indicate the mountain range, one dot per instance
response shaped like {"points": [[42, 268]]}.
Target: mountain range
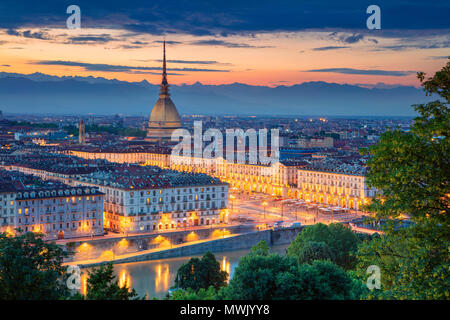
{"points": [[41, 93]]}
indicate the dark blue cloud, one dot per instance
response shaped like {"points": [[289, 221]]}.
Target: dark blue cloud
{"points": [[346, 38], [227, 44], [168, 42], [364, 72], [426, 44], [330, 48], [28, 34], [223, 18], [103, 38], [439, 57], [196, 62], [117, 68]]}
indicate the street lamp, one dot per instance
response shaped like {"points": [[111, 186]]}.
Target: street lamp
{"points": [[264, 203], [232, 197]]}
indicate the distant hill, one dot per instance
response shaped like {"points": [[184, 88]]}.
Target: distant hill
{"points": [[40, 93]]}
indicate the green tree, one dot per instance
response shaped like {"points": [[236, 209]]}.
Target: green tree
{"points": [[340, 239], [255, 277], [30, 269], [414, 262], [102, 284], [322, 280], [189, 294], [312, 251], [272, 277], [201, 273], [261, 248], [412, 170]]}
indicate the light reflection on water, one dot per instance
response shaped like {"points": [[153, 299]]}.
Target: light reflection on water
{"points": [[154, 278]]}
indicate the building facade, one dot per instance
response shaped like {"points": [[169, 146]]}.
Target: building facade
{"points": [[161, 201], [7, 207], [345, 189], [60, 213]]}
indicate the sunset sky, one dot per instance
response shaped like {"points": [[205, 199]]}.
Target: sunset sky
{"points": [[254, 42]]}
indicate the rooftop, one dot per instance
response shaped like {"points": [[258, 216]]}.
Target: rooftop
{"points": [[146, 177], [352, 166]]}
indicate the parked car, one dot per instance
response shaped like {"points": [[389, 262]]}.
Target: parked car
{"points": [[278, 224]]}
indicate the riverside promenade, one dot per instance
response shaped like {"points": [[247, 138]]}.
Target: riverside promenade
{"points": [[226, 243]]}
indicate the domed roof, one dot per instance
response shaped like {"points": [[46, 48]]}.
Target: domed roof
{"points": [[164, 116], [164, 113]]}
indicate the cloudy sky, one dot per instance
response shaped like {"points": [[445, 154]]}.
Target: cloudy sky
{"points": [[216, 42]]}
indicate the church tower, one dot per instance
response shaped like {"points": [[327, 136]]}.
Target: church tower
{"points": [[164, 117], [81, 133]]}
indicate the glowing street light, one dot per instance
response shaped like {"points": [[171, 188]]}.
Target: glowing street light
{"points": [[232, 197], [264, 203]]}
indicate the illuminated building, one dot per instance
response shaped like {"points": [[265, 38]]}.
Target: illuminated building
{"points": [[164, 117], [340, 186], [60, 213], [276, 179], [287, 179], [144, 198], [148, 156], [7, 207], [54, 209]]}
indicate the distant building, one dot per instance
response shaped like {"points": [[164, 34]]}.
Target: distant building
{"points": [[81, 133], [164, 117], [316, 142]]}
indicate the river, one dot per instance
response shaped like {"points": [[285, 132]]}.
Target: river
{"points": [[154, 278]]}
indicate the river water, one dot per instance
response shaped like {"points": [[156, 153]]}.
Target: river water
{"points": [[154, 278]]}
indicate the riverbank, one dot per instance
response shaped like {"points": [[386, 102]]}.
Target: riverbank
{"points": [[226, 243]]}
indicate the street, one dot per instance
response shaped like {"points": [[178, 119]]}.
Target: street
{"points": [[262, 208]]}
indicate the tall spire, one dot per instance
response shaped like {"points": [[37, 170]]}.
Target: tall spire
{"points": [[164, 83]]}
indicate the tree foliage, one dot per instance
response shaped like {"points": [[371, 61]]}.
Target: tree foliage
{"points": [[340, 239], [201, 273], [412, 170], [414, 262], [102, 284], [275, 277], [30, 269], [255, 277], [313, 251], [261, 248], [189, 294]]}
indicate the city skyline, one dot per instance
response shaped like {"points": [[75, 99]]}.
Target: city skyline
{"points": [[239, 151]]}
